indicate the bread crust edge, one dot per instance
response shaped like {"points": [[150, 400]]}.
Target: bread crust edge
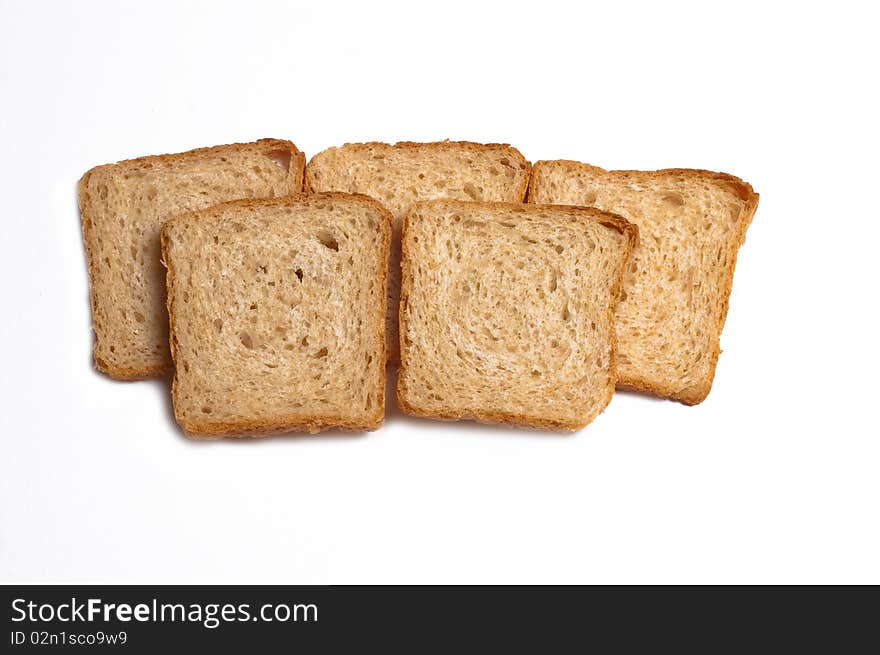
{"points": [[438, 145], [606, 219], [697, 393], [306, 423], [296, 177]]}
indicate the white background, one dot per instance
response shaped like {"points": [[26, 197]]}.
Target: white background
{"points": [[775, 478]]}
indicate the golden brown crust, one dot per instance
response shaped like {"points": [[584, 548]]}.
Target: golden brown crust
{"points": [[525, 166], [296, 174], [744, 191], [297, 161], [498, 418], [129, 374], [313, 423], [606, 219]]}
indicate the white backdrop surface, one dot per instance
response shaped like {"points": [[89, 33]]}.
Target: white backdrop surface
{"points": [[774, 478]]}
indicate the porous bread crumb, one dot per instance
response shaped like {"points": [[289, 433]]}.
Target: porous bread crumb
{"points": [[675, 294], [507, 312], [123, 206], [399, 175], [277, 314]]}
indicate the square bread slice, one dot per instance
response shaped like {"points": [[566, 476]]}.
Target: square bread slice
{"points": [[675, 294], [401, 174], [277, 312], [507, 312], [123, 207]]}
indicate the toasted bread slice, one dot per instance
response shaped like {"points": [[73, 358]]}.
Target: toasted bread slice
{"points": [[401, 174], [123, 207], [507, 312], [675, 295], [277, 312]]}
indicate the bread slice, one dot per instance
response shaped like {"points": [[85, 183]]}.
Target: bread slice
{"points": [[401, 174], [123, 207], [675, 295], [277, 312], [507, 312]]}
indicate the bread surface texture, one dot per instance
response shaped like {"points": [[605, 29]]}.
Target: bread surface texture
{"points": [[277, 312], [123, 207], [399, 175], [676, 290], [506, 312]]}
